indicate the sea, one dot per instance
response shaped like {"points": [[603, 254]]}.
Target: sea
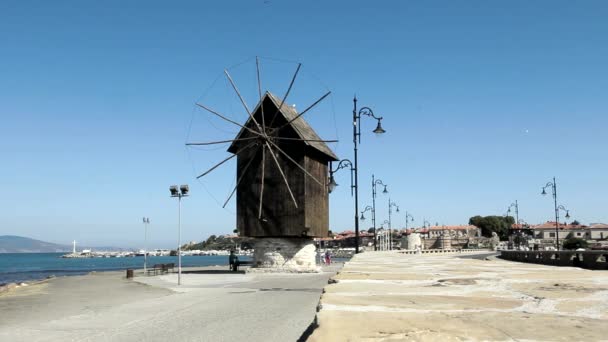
{"points": [[24, 267]]}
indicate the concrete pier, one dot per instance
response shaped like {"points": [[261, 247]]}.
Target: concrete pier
{"points": [[386, 296]]}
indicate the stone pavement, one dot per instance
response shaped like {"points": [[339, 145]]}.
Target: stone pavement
{"points": [[388, 296]]}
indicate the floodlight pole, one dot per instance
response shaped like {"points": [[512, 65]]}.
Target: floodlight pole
{"points": [[146, 221], [179, 193]]}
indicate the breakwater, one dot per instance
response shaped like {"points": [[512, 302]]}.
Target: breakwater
{"points": [[592, 260]]}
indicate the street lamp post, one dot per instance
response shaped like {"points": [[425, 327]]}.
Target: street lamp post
{"points": [[561, 207], [408, 218], [180, 192], [553, 186], [390, 230], [146, 223], [344, 163], [365, 111], [366, 209], [376, 182], [384, 239], [516, 206]]}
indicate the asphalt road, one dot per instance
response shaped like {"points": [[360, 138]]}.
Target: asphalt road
{"points": [[209, 306]]}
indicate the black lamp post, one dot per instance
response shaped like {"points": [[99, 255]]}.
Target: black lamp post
{"points": [[384, 241], [365, 111], [516, 206], [408, 218], [390, 229], [344, 163], [553, 186], [376, 182], [367, 208]]}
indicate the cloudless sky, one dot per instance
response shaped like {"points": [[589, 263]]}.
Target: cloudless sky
{"points": [[483, 103]]}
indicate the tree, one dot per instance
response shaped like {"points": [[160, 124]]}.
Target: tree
{"points": [[574, 243], [498, 224], [575, 223]]}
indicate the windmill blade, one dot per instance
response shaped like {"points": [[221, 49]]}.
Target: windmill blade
{"points": [[306, 110], [262, 185], [293, 79], [282, 174], [311, 140], [296, 163], [257, 67], [218, 142], [241, 98], [225, 160], [239, 181], [225, 118]]}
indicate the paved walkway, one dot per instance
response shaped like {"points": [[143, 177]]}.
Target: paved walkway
{"points": [[387, 296]]}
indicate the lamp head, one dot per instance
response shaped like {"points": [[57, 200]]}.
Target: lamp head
{"points": [[173, 190], [385, 191], [397, 209], [362, 217], [332, 183], [567, 214], [544, 192], [379, 130]]}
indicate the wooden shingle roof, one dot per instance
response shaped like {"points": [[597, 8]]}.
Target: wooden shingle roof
{"points": [[299, 125]]}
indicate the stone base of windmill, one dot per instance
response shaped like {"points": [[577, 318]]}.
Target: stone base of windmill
{"points": [[284, 255]]}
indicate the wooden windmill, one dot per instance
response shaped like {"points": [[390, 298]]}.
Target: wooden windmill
{"points": [[282, 169]]}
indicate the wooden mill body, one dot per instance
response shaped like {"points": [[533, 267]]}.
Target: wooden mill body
{"points": [[280, 216]]}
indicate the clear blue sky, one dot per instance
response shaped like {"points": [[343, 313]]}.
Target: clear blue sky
{"points": [[484, 102]]}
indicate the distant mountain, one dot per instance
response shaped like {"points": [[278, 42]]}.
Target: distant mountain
{"points": [[20, 244]]}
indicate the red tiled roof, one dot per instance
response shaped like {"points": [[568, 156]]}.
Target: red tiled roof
{"points": [[551, 224], [598, 226], [461, 227]]}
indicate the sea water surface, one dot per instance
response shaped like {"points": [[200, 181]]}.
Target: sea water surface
{"points": [[20, 267]]}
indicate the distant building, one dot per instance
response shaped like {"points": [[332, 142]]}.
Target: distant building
{"points": [[346, 239], [543, 235], [546, 231], [442, 237], [598, 231]]}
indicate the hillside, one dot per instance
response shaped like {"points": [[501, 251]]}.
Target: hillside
{"points": [[20, 244]]}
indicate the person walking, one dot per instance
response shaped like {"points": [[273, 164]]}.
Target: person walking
{"points": [[233, 259]]}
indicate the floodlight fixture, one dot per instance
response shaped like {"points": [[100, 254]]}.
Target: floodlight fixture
{"points": [[184, 189]]}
